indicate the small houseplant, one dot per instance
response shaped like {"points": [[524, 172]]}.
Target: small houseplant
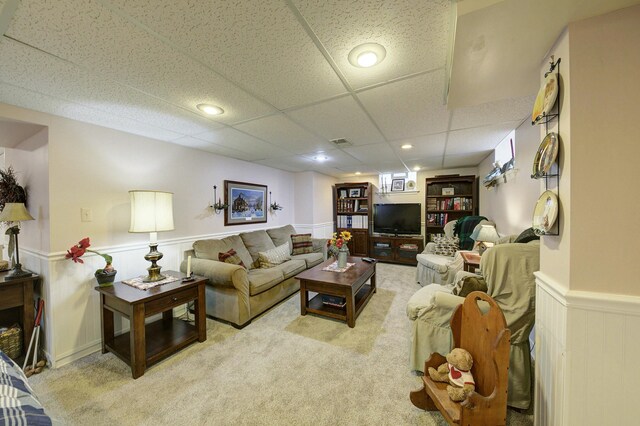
{"points": [[105, 276]]}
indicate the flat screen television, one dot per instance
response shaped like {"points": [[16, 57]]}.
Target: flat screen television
{"points": [[397, 218]]}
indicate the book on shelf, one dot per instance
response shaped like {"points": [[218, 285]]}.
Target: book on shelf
{"points": [[336, 301]]}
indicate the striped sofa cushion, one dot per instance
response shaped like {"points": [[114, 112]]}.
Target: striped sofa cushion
{"points": [[273, 257], [231, 257], [301, 244]]}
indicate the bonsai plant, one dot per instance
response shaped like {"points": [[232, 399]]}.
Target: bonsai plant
{"points": [[105, 276]]}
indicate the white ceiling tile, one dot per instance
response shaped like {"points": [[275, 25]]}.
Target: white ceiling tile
{"points": [[415, 34], [464, 160], [54, 77], [338, 118], [478, 139], [192, 142], [293, 163], [24, 98], [372, 153], [492, 112], [389, 166], [423, 147], [410, 107], [88, 34], [234, 139], [259, 44], [335, 158], [284, 133], [427, 163]]}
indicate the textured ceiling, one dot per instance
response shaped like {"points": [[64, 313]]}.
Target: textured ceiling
{"points": [[278, 68]]}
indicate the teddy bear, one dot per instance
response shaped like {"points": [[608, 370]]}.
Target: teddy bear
{"points": [[457, 372]]}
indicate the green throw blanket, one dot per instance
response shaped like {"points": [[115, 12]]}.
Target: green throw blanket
{"points": [[464, 228]]}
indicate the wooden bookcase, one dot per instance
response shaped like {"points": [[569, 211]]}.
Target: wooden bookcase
{"points": [[448, 198], [353, 212]]}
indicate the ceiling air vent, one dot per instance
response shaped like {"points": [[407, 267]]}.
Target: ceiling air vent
{"points": [[341, 143]]}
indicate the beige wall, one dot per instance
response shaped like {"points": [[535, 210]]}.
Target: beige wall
{"points": [[510, 205], [605, 130]]}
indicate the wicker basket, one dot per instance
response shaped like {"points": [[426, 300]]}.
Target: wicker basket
{"points": [[11, 341]]}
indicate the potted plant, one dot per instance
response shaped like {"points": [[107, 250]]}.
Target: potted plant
{"points": [[105, 276]]}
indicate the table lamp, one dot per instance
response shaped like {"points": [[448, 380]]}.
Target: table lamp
{"points": [[152, 211], [485, 236], [15, 212]]}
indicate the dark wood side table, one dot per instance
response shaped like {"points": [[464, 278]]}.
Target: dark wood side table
{"points": [[146, 344], [16, 303]]}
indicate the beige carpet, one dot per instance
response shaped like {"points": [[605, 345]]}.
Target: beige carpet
{"points": [[283, 369]]}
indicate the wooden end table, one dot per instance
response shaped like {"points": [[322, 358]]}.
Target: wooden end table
{"points": [[17, 295], [147, 344], [471, 260], [351, 284]]}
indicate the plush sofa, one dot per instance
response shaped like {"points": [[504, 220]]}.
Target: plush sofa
{"points": [[237, 294]]}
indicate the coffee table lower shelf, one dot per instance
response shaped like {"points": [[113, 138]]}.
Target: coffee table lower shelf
{"points": [[362, 297], [162, 338]]}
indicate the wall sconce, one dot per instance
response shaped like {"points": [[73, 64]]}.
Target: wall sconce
{"points": [[219, 205], [274, 207]]}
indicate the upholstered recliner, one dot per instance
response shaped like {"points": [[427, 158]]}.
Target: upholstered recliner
{"points": [[508, 271], [438, 269]]}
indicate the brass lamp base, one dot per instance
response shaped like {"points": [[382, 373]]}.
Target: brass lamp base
{"points": [[154, 270], [17, 272]]}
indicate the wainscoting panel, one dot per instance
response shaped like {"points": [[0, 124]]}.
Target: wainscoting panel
{"points": [[587, 347]]}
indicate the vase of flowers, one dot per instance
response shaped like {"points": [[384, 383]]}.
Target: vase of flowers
{"points": [[105, 276], [337, 246]]}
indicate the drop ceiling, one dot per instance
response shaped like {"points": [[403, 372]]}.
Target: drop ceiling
{"points": [[279, 70]]}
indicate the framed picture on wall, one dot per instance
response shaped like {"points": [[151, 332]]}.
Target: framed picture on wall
{"points": [[397, 185], [247, 203]]}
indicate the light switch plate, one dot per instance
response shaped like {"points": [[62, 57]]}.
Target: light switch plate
{"points": [[86, 215]]}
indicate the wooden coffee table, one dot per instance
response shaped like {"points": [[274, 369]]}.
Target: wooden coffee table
{"points": [[351, 284]]}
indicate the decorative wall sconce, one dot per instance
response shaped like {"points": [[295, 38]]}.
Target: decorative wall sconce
{"points": [[274, 207], [219, 205]]}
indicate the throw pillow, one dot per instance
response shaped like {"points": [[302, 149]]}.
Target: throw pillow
{"points": [[526, 236], [446, 246], [231, 257], [301, 244], [469, 284], [273, 257]]}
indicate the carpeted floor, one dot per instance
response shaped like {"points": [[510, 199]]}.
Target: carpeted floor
{"points": [[283, 369]]}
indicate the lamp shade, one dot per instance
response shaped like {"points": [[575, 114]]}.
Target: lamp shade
{"points": [[151, 211], [485, 233], [14, 212]]}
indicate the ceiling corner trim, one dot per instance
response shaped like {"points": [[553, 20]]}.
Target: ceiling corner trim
{"points": [[6, 14]]}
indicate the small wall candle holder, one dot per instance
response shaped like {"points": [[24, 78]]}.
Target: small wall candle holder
{"points": [[219, 205], [274, 207]]}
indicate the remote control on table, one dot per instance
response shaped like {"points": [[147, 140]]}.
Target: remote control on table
{"points": [[368, 259]]}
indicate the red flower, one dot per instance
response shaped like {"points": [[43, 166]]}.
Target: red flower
{"points": [[75, 252], [84, 243]]}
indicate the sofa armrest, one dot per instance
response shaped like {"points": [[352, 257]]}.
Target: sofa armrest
{"points": [[430, 248], [451, 302], [220, 274], [320, 246]]}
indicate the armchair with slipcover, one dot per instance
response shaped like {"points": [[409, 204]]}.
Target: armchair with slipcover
{"points": [[508, 271], [435, 268]]}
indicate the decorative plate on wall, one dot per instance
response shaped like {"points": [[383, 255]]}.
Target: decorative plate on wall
{"points": [[546, 98], [411, 185], [545, 213], [546, 155]]}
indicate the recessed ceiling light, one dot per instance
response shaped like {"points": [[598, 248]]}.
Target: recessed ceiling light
{"points": [[416, 168], [358, 173], [210, 109], [367, 55], [407, 146], [321, 158]]}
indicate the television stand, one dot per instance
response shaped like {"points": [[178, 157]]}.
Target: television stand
{"points": [[396, 249]]}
